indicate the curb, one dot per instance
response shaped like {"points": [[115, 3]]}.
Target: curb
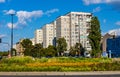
{"points": [[61, 73]]}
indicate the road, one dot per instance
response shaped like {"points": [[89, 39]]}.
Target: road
{"points": [[63, 76]]}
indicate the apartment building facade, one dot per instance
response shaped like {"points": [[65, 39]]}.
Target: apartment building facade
{"points": [[49, 34], [75, 28], [38, 36], [63, 29]]}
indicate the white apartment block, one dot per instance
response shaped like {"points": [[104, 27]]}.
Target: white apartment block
{"points": [[49, 34], [74, 27], [63, 29], [38, 36], [54, 33]]}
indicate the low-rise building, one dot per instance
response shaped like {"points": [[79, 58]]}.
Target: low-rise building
{"points": [[113, 46], [19, 48], [104, 41]]}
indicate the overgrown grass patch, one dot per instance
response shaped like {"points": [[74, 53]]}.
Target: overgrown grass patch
{"points": [[59, 64]]}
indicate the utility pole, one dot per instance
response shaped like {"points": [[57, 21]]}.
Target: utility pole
{"points": [[11, 53]]}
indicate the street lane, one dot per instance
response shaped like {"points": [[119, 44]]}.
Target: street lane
{"points": [[118, 75]]}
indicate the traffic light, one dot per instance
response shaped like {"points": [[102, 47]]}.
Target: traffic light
{"points": [[0, 40]]}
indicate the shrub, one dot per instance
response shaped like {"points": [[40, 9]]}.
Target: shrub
{"points": [[17, 60], [59, 64]]}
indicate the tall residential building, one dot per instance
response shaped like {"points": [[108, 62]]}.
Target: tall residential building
{"points": [[54, 33], [63, 29], [75, 28], [49, 34], [38, 36]]}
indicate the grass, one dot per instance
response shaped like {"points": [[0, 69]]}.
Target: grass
{"points": [[59, 64]]}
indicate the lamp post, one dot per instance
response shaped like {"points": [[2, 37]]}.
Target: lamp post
{"points": [[11, 53]]}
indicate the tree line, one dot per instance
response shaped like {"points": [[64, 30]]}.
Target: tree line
{"points": [[37, 50]]}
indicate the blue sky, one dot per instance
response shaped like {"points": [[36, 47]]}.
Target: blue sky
{"points": [[33, 14]]}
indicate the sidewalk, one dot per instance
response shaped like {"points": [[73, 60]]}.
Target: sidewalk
{"points": [[62, 73]]}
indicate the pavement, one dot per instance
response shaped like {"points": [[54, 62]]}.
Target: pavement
{"points": [[60, 73]]}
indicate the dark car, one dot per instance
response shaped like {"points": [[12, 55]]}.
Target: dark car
{"points": [[0, 57]]}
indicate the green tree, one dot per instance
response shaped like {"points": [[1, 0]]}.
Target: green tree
{"points": [[95, 37], [77, 50], [51, 51], [27, 45], [5, 53], [61, 45], [42, 52], [36, 50], [72, 51]]}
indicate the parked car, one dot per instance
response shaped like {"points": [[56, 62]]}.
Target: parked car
{"points": [[0, 57], [87, 54]]}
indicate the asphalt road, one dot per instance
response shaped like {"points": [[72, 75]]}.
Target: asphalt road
{"points": [[118, 75]]}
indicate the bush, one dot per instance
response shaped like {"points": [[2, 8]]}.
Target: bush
{"points": [[59, 64], [18, 60]]}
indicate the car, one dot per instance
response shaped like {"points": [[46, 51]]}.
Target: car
{"points": [[87, 55], [0, 57]]}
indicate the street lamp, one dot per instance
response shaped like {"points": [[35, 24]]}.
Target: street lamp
{"points": [[12, 14]]}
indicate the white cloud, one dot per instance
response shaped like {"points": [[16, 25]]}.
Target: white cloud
{"points": [[10, 11], [24, 16], [51, 11], [88, 2], [116, 31], [2, 35], [118, 23], [2, 1], [115, 3], [10, 25], [97, 9]]}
